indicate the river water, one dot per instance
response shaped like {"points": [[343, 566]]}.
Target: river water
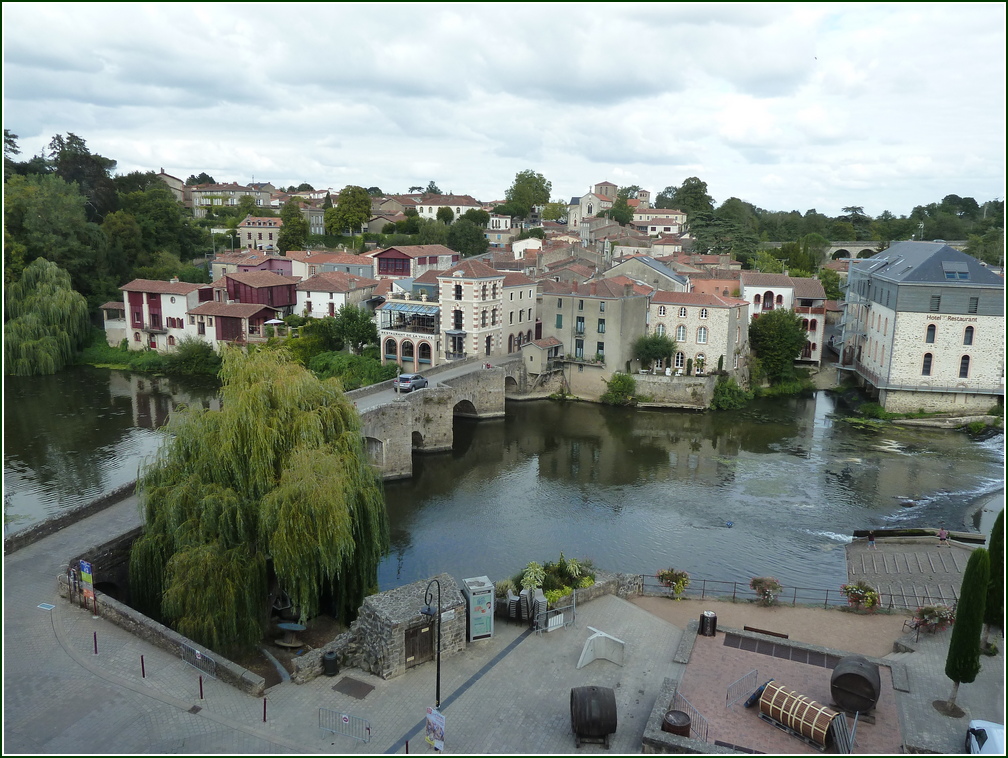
{"points": [[633, 490]]}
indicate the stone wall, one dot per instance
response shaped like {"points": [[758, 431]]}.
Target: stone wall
{"points": [[899, 401], [677, 391], [157, 634]]}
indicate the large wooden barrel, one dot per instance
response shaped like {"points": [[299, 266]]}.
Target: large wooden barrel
{"points": [[855, 684], [805, 716], [676, 722], [593, 713]]}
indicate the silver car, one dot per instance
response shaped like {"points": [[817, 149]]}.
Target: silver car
{"points": [[408, 382]]}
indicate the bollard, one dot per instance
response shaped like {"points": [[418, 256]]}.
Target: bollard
{"points": [[264, 710], [143, 671], [95, 606], [201, 687], [96, 643]]}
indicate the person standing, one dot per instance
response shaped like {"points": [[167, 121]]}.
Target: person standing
{"points": [[871, 540], [943, 537]]}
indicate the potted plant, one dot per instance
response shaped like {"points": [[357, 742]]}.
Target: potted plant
{"points": [[934, 617], [767, 589], [860, 594], [675, 579]]}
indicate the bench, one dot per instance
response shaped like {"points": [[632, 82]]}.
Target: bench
{"points": [[764, 631]]}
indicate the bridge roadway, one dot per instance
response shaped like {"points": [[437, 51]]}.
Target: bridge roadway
{"points": [[395, 425]]}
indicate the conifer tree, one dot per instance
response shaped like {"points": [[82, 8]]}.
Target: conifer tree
{"points": [[963, 662]]}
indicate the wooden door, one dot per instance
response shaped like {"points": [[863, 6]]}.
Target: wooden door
{"points": [[419, 644]]}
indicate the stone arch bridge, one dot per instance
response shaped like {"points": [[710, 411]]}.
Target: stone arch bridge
{"points": [[424, 420]]}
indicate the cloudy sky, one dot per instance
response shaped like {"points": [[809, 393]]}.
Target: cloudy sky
{"points": [[786, 106]]}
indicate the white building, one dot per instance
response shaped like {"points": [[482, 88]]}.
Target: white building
{"points": [[325, 293], [924, 328]]}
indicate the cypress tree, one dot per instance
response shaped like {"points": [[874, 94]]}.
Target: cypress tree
{"points": [[963, 661], [994, 608]]}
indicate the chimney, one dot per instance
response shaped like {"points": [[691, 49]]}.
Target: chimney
{"points": [[594, 288], [174, 280], [627, 289]]}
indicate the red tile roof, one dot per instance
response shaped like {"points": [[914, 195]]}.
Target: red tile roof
{"points": [[262, 278], [230, 310], [160, 287], [334, 281]]}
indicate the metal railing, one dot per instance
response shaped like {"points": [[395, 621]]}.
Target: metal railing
{"points": [[345, 724], [742, 592], [741, 688], [698, 724], [199, 660]]}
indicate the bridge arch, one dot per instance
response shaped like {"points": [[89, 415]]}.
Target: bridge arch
{"points": [[417, 440], [465, 408]]}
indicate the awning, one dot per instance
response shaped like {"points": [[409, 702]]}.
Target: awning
{"points": [[411, 307], [454, 332]]}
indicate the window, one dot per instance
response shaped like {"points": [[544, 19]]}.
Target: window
{"points": [[579, 325], [926, 370], [968, 336], [171, 341], [682, 313], [559, 321], [580, 305], [680, 360], [136, 336], [483, 318], [307, 305], [601, 306], [579, 349], [964, 367], [930, 338], [738, 334], [260, 235], [701, 335], [559, 302], [511, 318], [974, 303], [192, 319], [735, 364], [804, 324], [600, 348], [493, 317], [660, 330], [661, 310], [935, 303], [703, 313], [601, 326], [483, 292], [458, 291], [680, 333]]}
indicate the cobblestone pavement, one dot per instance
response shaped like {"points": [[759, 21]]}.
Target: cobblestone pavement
{"points": [[508, 694]]}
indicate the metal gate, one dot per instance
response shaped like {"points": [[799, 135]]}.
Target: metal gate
{"points": [[344, 723], [419, 644], [199, 660]]}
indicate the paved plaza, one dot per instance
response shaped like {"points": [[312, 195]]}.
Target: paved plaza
{"points": [[508, 694]]}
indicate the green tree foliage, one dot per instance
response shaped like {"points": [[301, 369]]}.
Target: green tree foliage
{"points": [[690, 197], [432, 189], [304, 187], [717, 235], [620, 390], [555, 211], [10, 148], [777, 337], [620, 212], [355, 327], [728, 395], [202, 178], [74, 163], [466, 238], [272, 492], [165, 224], [651, 348], [352, 371], [628, 193], [479, 217], [536, 231], [294, 232], [431, 232], [831, 283], [192, 357], [963, 661], [136, 181], [994, 606], [445, 214], [351, 212], [528, 190], [45, 321]]}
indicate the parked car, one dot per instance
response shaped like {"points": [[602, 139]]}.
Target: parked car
{"points": [[408, 382], [985, 737]]}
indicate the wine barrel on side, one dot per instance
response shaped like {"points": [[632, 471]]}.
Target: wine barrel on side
{"points": [[593, 713], [855, 684]]}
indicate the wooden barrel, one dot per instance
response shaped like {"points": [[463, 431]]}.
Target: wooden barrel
{"points": [[805, 716], [855, 684], [676, 722], [593, 713]]}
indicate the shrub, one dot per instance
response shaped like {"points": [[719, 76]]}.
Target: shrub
{"points": [[554, 596], [860, 594], [193, 356], [872, 410], [939, 616], [767, 588], [975, 427], [533, 576], [728, 395], [503, 587], [620, 389], [676, 579]]}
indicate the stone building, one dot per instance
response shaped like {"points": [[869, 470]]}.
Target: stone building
{"points": [[924, 329]]}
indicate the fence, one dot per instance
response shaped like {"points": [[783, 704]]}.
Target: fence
{"points": [[741, 688], [698, 724], [345, 724], [556, 618], [741, 591], [199, 660]]}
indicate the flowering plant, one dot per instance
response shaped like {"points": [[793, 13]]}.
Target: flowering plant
{"points": [[936, 616], [767, 588], [676, 579], [860, 593]]}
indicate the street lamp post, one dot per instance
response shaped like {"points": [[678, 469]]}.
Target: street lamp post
{"points": [[428, 610]]}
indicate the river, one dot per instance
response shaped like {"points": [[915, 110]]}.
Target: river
{"points": [[632, 490]]}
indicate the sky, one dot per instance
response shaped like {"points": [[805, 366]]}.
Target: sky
{"points": [[786, 106]]}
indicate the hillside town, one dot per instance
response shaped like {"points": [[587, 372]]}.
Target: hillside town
{"points": [[921, 324]]}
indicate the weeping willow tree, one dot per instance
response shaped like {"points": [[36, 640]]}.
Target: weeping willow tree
{"points": [[273, 491], [45, 321]]}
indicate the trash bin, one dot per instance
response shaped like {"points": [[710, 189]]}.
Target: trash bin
{"points": [[708, 623], [330, 664]]}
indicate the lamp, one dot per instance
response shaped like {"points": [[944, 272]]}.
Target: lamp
{"points": [[429, 610]]}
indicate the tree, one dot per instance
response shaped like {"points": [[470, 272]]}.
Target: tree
{"points": [[355, 327], [466, 238], [691, 198], [375, 191], [620, 212], [294, 232], [479, 217], [72, 161], [620, 389], [419, 188], [831, 283], [528, 190], [432, 232], [555, 211], [10, 148], [273, 492], [327, 203], [432, 189], [994, 605], [351, 212], [202, 178], [777, 337], [628, 193], [649, 349], [45, 321], [445, 214], [963, 661], [136, 181], [304, 187]]}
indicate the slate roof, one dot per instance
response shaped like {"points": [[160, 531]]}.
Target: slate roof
{"points": [[928, 262]]}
